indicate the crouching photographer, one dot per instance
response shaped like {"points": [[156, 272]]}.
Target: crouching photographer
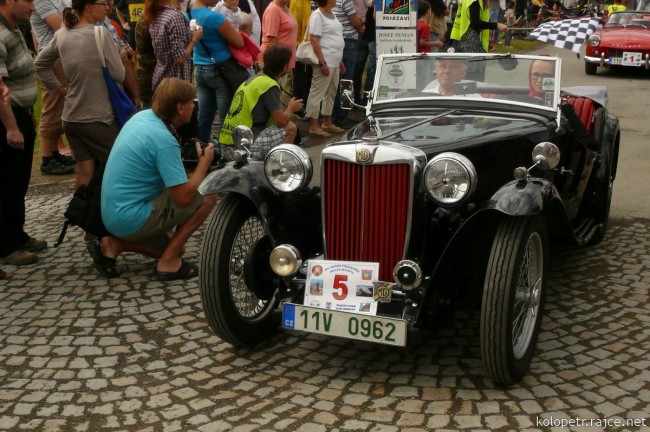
{"points": [[146, 192]]}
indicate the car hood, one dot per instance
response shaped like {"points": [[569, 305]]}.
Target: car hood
{"points": [[616, 37], [452, 131]]}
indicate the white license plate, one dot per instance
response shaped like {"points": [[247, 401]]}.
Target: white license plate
{"points": [[631, 58], [615, 60], [388, 331]]}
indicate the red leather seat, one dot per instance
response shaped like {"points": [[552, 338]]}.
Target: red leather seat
{"points": [[584, 109]]}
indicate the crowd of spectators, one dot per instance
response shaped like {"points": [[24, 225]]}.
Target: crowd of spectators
{"points": [[144, 44]]}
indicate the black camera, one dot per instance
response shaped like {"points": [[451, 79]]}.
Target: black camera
{"points": [[188, 149]]}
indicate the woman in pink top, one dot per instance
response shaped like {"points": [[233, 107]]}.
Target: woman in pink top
{"points": [[279, 27]]}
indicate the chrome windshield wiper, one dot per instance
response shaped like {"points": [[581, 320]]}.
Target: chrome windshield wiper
{"points": [[420, 56]]}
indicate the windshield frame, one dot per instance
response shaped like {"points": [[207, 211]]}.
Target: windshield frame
{"points": [[465, 102]]}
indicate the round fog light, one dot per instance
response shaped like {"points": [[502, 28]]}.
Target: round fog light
{"points": [[285, 260]]}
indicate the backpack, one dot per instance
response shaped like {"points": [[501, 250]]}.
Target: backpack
{"points": [[84, 209]]}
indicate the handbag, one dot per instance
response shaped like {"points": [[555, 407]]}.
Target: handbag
{"points": [[84, 209], [123, 107], [305, 51], [233, 74], [231, 71]]}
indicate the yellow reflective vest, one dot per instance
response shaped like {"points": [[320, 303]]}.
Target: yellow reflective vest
{"points": [[243, 102], [616, 8], [461, 23]]}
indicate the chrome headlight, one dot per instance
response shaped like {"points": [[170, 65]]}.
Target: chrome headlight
{"points": [[593, 41], [288, 168], [450, 179]]}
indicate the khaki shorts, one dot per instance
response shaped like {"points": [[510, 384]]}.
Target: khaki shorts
{"points": [[90, 141], [49, 125], [165, 216]]}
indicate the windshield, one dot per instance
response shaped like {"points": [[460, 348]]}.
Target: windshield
{"points": [[522, 80], [628, 18]]}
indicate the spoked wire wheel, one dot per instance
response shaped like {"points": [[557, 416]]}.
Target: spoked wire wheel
{"points": [[513, 297], [527, 296], [245, 302], [232, 302]]}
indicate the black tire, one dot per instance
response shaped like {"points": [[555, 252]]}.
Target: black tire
{"points": [[603, 202], [233, 311], [514, 288], [591, 68]]}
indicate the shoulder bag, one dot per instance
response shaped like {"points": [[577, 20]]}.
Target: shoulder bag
{"points": [[84, 209], [305, 51], [123, 107], [231, 71]]}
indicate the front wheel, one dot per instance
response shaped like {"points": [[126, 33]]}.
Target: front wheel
{"points": [[591, 68], [513, 298], [237, 302]]}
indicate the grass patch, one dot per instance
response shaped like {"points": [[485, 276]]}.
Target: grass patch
{"points": [[519, 46]]}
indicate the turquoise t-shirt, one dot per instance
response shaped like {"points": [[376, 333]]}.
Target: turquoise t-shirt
{"points": [[144, 161], [210, 21]]}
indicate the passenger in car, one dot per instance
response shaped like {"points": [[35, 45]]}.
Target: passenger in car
{"points": [[538, 78]]}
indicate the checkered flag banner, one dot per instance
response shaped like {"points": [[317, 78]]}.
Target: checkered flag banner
{"points": [[568, 34]]}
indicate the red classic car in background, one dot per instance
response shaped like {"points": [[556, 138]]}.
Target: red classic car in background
{"points": [[624, 40]]}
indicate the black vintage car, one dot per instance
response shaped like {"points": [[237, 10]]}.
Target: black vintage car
{"points": [[452, 187]]}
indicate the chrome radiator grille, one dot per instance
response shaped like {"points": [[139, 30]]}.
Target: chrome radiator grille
{"points": [[366, 212]]}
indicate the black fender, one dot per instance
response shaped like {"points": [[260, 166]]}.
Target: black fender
{"points": [[515, 199], [244, 179], [531, 197], [522, 198], [289, 218]]}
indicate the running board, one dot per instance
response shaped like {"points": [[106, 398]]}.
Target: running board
{"points": [[586, 230]]}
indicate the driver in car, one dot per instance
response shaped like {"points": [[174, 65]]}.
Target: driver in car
{"points": [[449, 72]]}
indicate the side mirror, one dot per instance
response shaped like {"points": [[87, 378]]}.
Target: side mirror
{"points": [[242, 138], [347, 94], [546, 155]]}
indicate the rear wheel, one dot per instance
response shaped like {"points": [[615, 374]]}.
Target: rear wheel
{"points": [[591, 68], [237, 297], [513, 298]]}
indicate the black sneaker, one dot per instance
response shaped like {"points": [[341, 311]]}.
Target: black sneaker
{"points": [[65, 160], [54, 167]]}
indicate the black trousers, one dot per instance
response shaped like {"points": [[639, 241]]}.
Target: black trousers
{"points": [[15, 173], [302, 75]]}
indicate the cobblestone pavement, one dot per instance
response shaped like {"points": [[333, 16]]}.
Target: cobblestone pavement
{"points": [[78, 352]]}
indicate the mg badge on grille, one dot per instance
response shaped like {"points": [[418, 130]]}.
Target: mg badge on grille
{"points": [[383, 291], [364, 155]]}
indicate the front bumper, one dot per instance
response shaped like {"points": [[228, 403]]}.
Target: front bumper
{"points": [[604, 61]]}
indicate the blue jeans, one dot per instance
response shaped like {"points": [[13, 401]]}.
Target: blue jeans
{"points": [[213, 95], [340, 115], [496, 15], [365, 51]]}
